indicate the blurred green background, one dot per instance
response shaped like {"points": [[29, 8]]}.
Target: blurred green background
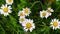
{"points": [[11, 25]]}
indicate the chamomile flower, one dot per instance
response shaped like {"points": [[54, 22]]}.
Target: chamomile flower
{"points": [[55, 23], [22, 20], [9, 2], [44, 14], [5, 9], [49, 10], [26, 11], [28, 25], [21, 14]]}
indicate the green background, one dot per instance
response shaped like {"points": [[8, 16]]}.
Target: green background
{"points": [[11, 25]]}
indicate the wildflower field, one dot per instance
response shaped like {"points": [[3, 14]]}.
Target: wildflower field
{"points": [[29, 16]]}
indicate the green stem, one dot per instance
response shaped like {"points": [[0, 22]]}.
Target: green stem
{"points": [[35, 3], [57, 8]]}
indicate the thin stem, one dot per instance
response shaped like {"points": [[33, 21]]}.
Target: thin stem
{"points": [[26, 32], [57, 8], [35, 3]]}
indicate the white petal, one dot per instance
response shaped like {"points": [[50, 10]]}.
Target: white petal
{"points": [[34, 26], [52, 10], [54, 19], [25, 29], [31, 29], [5, 14], [41, 14], [1, 11], [9, 7], [50, 14], [5, 5], [9, 11], [24, 24], [31, 21], [51, 23], [53, 28]]}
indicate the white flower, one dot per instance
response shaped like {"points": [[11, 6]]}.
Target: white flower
{"points": [[22, 20], [21, 14], [9, 2], [44, 14], [55, 23], [5, 9], [28, 25], [26, 11], [49, 10]]}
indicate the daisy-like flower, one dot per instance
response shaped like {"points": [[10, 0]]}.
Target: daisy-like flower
{"points": [[9, 2], [28, 25], [26, 11], [21, 14], [5, 9], [55, 23], [44, 14], [22, 20], [49, 10]]}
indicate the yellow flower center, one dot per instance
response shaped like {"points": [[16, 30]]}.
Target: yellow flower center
{"points": [[28, 25], [21, 14], [22, 19], [55, 24], [44, 14], [49, 11], [9, 0], [26, 11], [5, 9]]}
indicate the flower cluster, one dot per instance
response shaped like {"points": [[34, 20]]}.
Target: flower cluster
{"points": [[5, 9], [46, 13], [26, 23], [55, 23]]}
